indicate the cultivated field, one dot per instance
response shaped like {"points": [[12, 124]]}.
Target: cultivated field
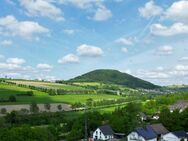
{"points": [[7, 90]]}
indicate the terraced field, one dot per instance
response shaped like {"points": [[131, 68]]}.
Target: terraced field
{"points": [[6, 90], [48, 85]]}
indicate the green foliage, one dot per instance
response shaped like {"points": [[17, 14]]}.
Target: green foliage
{"points": [[114, 77], [34, 108], [59, 107], [26, 134], [174, 120], [12, 98], [3, 111], [126, 119], [47, 106]]}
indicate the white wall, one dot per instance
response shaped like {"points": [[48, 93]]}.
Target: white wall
{"points": [[134, 136], [100, 135], [171, 137]]}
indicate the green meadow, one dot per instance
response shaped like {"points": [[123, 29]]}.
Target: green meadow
{"points": [[6, 90]]}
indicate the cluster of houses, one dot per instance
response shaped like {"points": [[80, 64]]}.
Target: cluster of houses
{"points": [[154, 132]]}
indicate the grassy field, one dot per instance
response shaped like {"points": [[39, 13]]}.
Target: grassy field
{"points": [[41, 97], [48, 85]]}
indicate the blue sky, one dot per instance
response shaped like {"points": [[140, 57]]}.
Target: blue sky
{"points": [[60, 39]]}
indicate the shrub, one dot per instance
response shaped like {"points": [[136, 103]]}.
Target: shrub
{"points": [[12, 98], [3, 111]]}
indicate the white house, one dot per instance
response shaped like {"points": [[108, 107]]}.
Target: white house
{"points": [[152, 132], [176, 136], [142, 134], [104, 132]]}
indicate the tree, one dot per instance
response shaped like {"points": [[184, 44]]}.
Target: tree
{"points": [[12, 98], [47, 106], [89, 102], [59, 107], [3, 111], [34, 108]]}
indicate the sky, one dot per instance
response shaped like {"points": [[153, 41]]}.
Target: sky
{"points": [[61, 39]]}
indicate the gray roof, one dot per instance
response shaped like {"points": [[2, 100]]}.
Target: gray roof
{"points": [[106, 130], [159, 129]]}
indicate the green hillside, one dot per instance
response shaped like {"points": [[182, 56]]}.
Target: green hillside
{"points": [[114, 77]]}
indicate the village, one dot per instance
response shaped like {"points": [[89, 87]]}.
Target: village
{"points": [[149, 132]]}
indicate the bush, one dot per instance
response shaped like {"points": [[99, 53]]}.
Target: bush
{"points": [[12, 98], [59, 107], [3, 111], [47, 106], [34, 108]]}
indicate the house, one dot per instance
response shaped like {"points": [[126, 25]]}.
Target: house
{"points": [[176, 136], [180, 105], [154, 132], [143, 116], [142, 134], [155, 116], [104, 132], [159, 130]]}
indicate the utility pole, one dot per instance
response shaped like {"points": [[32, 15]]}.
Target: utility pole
{"points": [[85, 112]]}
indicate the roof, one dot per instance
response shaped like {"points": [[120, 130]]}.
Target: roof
{"points": [[142, 115], [106, 130], [180, 134], [180, 104], [159, 129], [146, 132]]}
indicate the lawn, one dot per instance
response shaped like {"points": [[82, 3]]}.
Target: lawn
{"points": [[41, 97]]}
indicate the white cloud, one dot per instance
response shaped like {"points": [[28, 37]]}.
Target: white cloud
{"points": [[182, 68], [102, 14], [152, 74], [42, 8], [125, 50], [175, 29], [25, 29], [15, 61], [150, 9], [125, 41], [89, 50], [70, 58], [82, 4], [69, 31], [45, 67], [183, 59], [165, 50], [9, 66], [178, 11], [128, 71], [6, 43]]}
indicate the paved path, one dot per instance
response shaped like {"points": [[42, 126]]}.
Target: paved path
{"points": [[9, 108]]}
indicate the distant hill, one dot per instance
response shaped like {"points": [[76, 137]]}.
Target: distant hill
{"points": [[114, 77]]}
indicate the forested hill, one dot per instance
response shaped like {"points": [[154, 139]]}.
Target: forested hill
{"points": [[114, 77]]}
